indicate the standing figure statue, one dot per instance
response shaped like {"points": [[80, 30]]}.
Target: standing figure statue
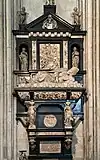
{"points": [[24, 60], [68, 115], [31, 114], [75, 58], [22, 15], [76, 16]]}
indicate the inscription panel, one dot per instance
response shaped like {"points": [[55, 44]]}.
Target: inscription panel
{"points": [[50, 147]]}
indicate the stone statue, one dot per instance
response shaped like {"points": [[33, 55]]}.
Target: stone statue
{"points": [[76, 16], [24, 60], [22, 15], [75, 58], [68, 115], [31, 114], [49, 23], [50, 2]]}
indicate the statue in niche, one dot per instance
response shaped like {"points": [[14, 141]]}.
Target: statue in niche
{"points": [[49, 23], [68, 115], [75, 57], [76, 16], [24, 60], [22, 15], [31, 114], [50, 2]]}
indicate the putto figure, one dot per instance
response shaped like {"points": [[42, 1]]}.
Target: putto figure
{"points": [[76, 16], [24, 60], [75, 58]]}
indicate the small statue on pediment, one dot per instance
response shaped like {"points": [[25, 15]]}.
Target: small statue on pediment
{"points": [[49, 23], [23, 59], [76, 16], [22, 15]]}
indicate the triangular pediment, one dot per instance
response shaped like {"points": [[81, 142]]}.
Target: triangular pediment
{"points": [[61, 24]]}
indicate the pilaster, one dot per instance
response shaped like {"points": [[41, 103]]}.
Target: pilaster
{"points": [[92, 62]]}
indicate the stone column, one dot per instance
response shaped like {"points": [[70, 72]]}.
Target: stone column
{"points": [[8, 128], [92, 63], [1, 80], [98, 74]]}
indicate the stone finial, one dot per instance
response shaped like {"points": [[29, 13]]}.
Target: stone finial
{"points": [[76, 16]]}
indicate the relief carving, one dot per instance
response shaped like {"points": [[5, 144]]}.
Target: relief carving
{"points": [[56, 78], [49, 56], [50, 121], [50, 95], [49, 23]]}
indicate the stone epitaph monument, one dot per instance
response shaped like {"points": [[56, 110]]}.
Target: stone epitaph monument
{"points": [[50, 90]]}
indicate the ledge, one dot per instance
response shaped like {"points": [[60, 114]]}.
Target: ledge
{"points": [[23, 89]]}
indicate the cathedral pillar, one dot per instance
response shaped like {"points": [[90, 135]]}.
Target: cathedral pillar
{"points": [[7, 109], [92, 63], [1, 81]]}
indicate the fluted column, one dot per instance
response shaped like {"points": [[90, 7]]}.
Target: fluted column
{"points": [[7, 110], [91, 23]]}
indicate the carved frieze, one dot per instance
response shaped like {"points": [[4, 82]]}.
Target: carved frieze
{"points": [[49, 95]]}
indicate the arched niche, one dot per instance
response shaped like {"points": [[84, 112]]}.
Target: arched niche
{"points": [[75, 55], [24, 56]]}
